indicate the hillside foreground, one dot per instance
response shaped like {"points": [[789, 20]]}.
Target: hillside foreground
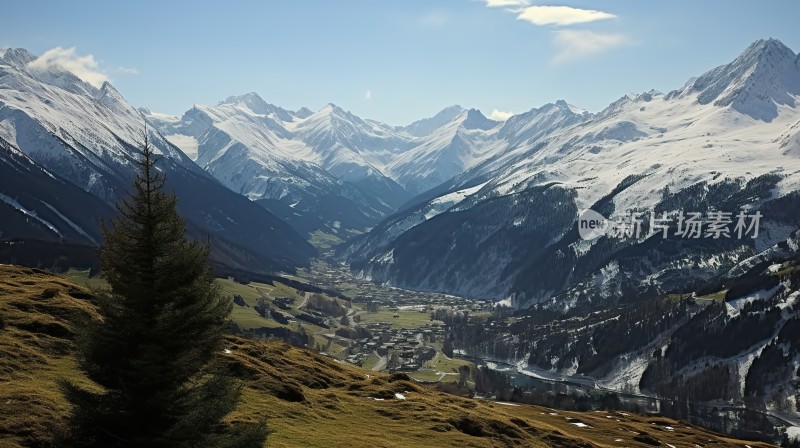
{"points": [[308, 400]]}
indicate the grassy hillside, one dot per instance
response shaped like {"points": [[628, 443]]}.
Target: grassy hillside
{"points": [[308, 400]]}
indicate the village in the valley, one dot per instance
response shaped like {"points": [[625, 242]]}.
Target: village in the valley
{"points": [[400, 330]]}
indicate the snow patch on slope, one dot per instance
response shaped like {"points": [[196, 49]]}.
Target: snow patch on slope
{"points": [[69, 222], [734, 307], [30, 213], [186, 143], [446, 201]]}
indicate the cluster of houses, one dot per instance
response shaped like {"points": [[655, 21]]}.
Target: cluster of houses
{"points": [[405, 349], [400, 349], [339, 278]]}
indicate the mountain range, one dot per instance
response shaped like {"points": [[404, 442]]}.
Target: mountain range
{"points": [[506, 227], [69, 152], [461, 204], [454, 203], [329, 170]]}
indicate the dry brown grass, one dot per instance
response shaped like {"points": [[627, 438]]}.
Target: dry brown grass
{"points": [[308, 400], [38, 315]]}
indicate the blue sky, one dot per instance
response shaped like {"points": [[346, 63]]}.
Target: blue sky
{"points": [[394, 61]]}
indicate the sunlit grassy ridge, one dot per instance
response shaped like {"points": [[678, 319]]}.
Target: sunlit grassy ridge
{"points": [[39, 313], [307, 399]]}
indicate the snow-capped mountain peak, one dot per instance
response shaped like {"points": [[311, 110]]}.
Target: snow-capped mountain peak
{"points": [[257, 105], [110, 97], [18, 57], [330, 125], [763, 77], [331, 112], [538, 121], [426, 126], [474, 119], [763, 49], [562, 104], [252, 100], [29, 67], [303, 112]]}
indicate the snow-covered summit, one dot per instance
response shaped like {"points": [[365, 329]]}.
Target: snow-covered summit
{"points": [[29, 67], [17, 57], [426, 126], [476, 120], [257, 105], [766, 75], [61, 110], [329, 125], [452, 141], [537, 121], [303, 112]]}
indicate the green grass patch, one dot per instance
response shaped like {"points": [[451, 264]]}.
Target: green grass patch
{"points": [[282, 290], [322, 240], [398, 319], [426, 375], [331, 348], [296, 278], [248, 293], [248, 318], [370, 361], [81, 277], [715, 296], [446, 365]]}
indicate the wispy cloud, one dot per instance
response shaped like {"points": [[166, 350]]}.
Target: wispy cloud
{"points": [[368, 95], [500, 115], [507, 3], [577, 44], [126, 70], [84, 67], [561, 15], [571, 44]]}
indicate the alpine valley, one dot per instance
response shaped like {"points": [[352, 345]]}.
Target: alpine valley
{"points": [[463, 205]]}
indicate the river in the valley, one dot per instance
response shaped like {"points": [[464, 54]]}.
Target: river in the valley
{"points": [[545, 388]]}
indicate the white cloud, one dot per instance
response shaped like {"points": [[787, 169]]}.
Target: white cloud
{"points": [[577, 44], [561, 15], [368, 95], [126, 70], [506, 3], [571, 44], [500, 115], [84, 67]]}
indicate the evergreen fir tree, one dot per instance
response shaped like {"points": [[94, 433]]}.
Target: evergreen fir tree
{"points": [[156, 352]]}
